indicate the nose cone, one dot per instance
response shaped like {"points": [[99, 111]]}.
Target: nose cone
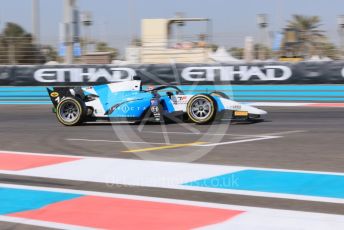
{"points": [[262, 112], [253, 110]]}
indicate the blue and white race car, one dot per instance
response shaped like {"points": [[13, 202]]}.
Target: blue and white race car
{"points": [[127, 101]]}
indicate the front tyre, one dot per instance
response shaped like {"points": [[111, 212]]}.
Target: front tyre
{"points": [[70, 111], [201, 109]]}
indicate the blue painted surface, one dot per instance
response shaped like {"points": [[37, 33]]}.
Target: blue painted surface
{"points": [[167, 103], [267, 87], [25, 102], [212, 87], [133, 109], [248, 93], [137, 101], [24, 94], [19, 200], [21, 89], [308, 184], [220, 106]]}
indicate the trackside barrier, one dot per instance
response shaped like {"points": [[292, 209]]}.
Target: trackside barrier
{"points": [[264, 73], [265, 81]]}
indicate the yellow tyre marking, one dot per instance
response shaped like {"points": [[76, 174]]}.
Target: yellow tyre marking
{"points": [[204, 121], [164, 147]]}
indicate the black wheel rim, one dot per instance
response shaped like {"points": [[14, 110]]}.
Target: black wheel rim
{"points": [[201, 108], [69, 112]]}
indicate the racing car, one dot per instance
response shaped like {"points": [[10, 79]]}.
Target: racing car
{"points": [[128, 101]]}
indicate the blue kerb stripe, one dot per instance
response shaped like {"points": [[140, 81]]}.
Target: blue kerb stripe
{"points": [[19, 200], [23, 93], [25, 103], [265, 87], [14, 88], [308, 184], [216, 87], [304, 93]]}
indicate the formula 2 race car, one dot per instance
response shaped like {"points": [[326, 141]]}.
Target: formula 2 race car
{"points": [[129, 102]]}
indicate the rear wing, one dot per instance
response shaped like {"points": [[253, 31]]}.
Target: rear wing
{"points": [[57, 94]]}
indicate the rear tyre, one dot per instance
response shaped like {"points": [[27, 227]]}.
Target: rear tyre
{"points": [[201, 109], [71, 111]]}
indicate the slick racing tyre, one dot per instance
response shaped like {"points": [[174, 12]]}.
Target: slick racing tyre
{"points": [[71, 111], [201, 109]]}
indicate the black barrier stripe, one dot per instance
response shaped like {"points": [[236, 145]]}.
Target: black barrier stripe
{"points": [[251, 73]]}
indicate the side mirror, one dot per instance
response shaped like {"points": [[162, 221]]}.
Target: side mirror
{"points": [[169, 94], [137, 78]]}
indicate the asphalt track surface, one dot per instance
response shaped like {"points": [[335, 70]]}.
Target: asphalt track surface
{"points": [[306, 139]]}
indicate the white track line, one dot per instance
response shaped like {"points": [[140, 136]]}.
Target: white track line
{"points": [[41, 223], [110, 122], [110, 141], [259, 138], [297, 104], [240, 141], [284, 132], [278, 104], [208, 134]]}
